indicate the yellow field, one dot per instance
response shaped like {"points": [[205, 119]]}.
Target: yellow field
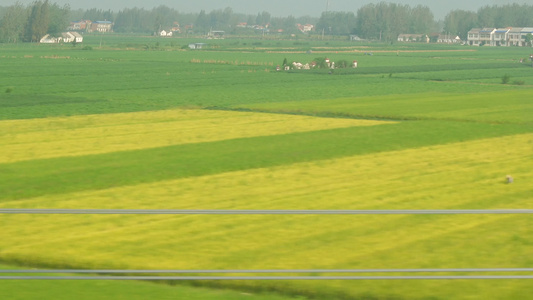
{"points": [[464, 175], [93, 134]]}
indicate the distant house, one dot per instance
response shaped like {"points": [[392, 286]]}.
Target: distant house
{"points": [[474, 37], [515, 37], [216, 34], [499, 36], [83, 25], [165, 33], [69, 37], [448, 39], [197, 46], [101, 26], [66, 37], [422, 38], [355, 38], [305, 28], [47, 39], [485, 36]]}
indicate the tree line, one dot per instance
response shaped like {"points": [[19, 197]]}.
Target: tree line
{"points": [[30, 23], [376, 21], [459, 22]]}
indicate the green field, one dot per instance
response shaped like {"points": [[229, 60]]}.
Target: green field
{"points": [[139, 123]]}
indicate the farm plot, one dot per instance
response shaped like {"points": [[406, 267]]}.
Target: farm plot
{"points": [[459, 175], [94, 134]]}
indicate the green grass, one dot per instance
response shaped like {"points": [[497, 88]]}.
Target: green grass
{"points": [[130, 290], [110, 80], [496, 107]]}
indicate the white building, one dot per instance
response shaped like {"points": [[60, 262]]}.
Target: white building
{"points": [[423, 38], [499, 36], [448, 39], [66, 37], [164, 33]]}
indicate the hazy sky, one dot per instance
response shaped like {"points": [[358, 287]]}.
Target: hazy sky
{"points": [[278, 8]]}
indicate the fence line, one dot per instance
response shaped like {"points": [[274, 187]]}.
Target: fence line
{"points": [[264, 212]]}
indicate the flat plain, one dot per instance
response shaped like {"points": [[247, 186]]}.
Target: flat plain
{"points": [[128, 126]]}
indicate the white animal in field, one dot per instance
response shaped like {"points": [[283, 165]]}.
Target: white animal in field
{"points": [[509, 179]]}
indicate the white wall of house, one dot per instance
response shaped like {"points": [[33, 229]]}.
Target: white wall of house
{"points": [[499, 36]]}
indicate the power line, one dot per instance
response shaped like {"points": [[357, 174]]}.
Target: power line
{"points": [[484, 277], [77, 271], [263, 212]]}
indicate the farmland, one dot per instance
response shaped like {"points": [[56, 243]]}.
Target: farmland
{"points": [[140, 123]]}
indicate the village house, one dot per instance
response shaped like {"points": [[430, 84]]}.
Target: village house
{"points": [[423, 38], [197, 46], [515, 37], [70, 37], [486, 35], [164, 33], [101, 26], [474, 37], [216, 34], [66, 37], [499, 36], [176, 28], [83, 25], [305, 28], [48, 39], [448, 39]]}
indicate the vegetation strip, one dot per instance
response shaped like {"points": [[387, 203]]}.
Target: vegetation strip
{"points": [[268, 212]]}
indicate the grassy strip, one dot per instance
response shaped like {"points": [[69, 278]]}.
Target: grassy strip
{"points": [[112, 290], [497, 107], [60, 175]]}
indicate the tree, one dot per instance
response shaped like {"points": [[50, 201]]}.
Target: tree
{"points": [[202, 22], [336, 23], [38, 21], [59, 19], [385, 21], [94, 14], [459, 22], [13, 23], [263, 18], [529, 39], [421, 19]]}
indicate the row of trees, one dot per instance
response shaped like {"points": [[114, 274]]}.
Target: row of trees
{"points": [[459, 22], [31, 23], [383, 21]]}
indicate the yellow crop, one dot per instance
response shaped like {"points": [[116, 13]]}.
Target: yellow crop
{"points": [[93, 134]]}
